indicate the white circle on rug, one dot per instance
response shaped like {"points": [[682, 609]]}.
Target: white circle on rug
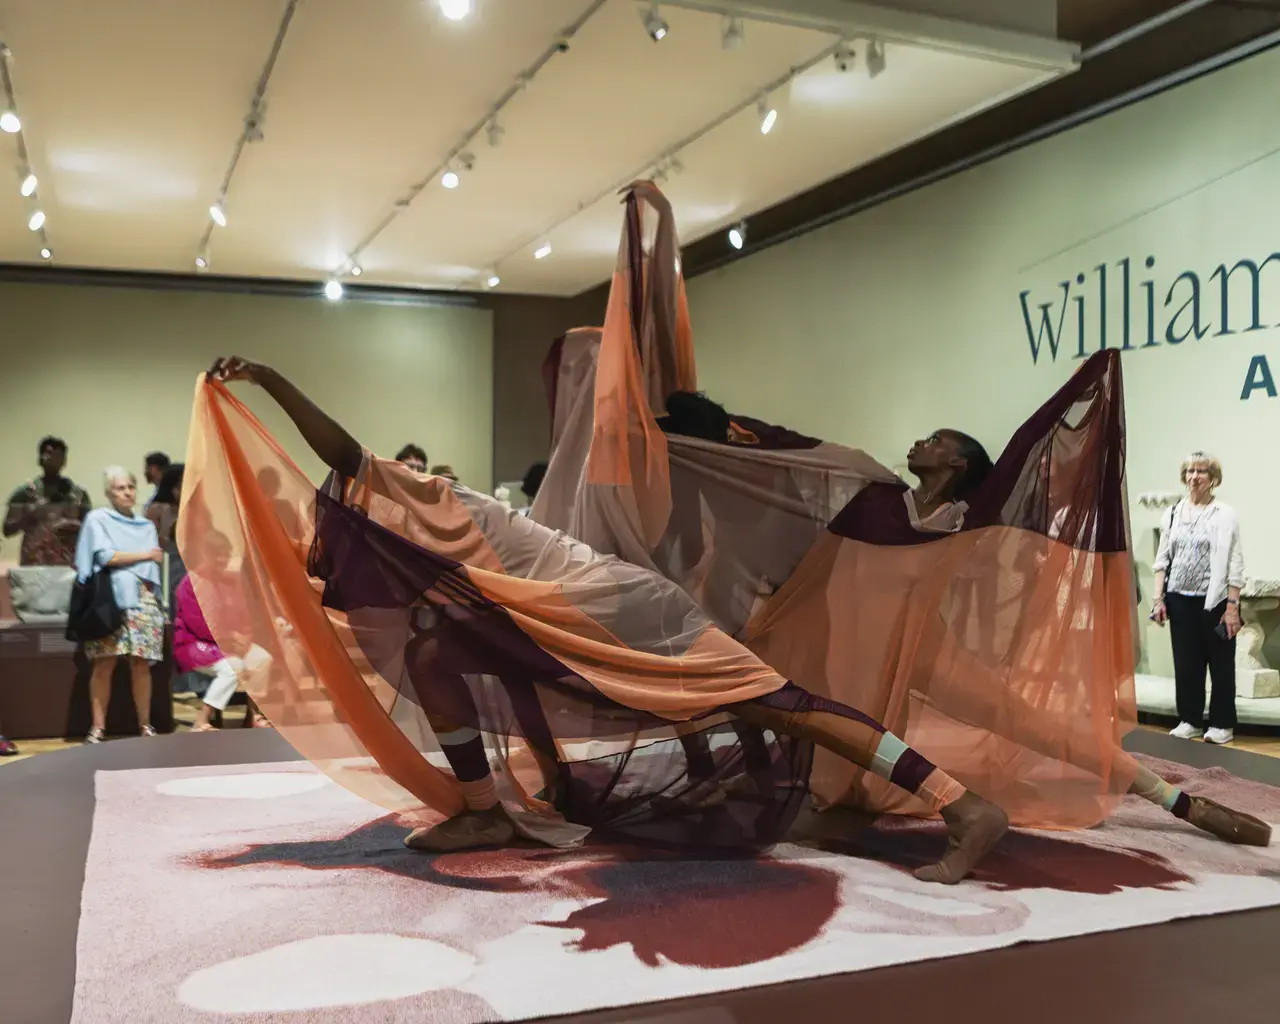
{"points": [[330, 970], [249, 786]]}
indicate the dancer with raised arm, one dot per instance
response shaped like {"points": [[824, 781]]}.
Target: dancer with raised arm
{"points": [[668, 663]]}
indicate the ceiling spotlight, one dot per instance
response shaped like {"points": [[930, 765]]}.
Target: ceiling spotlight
{"points": [[738, 235], [46, 253], [28, 185], [202, 263], [218, 215], [9, 122], [455, 10], [845, 58], [356, 270], [449, 179], [875, 57], [492, 281], [733, 34], [768, 115], [37, 220], [654, 23], [333, 290], [542, 252], [495, 132]]}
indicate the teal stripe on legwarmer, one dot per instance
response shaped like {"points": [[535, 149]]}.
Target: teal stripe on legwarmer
{"points": [[888, 750]]}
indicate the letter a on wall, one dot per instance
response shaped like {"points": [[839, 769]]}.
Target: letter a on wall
{"points": [[1259, 379]]}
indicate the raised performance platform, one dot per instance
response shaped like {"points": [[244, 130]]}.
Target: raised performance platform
{"points": [[1156, 697], [47, 806]]}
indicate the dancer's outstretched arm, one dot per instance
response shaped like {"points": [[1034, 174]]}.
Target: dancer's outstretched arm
{"points": [[339, 450]]}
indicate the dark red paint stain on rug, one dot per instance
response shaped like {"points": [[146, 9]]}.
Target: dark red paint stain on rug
{"points": [[710, 914]]}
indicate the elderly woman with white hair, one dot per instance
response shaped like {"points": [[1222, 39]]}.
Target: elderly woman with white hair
{"points": [[118, 540], [1199, 571]]}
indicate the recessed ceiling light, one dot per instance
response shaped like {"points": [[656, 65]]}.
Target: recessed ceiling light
{"points": [[768, 115], [455, 10], [333, 290], [738, 235], [875, 58], [542, 252], [201, 263], [37, 220], [218, 215], [493, 281], [9, 122], [356, 270], [46, 253], [733, 33], [654, 23], [29, 185], [449, 179]]}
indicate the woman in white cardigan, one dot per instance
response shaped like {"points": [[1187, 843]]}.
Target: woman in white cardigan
{"points": [[1199, 571]]}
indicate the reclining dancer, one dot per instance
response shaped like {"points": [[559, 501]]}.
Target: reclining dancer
{"points": [[1007, 644], [769, 703], [950, 467]]}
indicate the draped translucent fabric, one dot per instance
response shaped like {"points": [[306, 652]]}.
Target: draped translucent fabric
{"points": [[396, 604], [1001, 647]]}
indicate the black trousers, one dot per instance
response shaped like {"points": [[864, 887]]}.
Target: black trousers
{"points": [[1197, 646]]}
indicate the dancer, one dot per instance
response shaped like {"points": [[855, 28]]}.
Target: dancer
{"points": [[986, 615], [738, 685]]}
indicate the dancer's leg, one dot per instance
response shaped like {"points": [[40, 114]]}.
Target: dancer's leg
{"points": [[1203, 813], [975, 824], [1039, 731]]}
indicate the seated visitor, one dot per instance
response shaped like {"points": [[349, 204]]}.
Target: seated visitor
{"points": [[239, 661]]}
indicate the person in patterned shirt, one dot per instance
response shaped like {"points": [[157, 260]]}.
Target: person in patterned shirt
{"points": [[48, 510]]}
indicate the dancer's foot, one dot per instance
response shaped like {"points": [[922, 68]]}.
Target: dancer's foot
{"points": [[466, 831], [975, 826], [1233, 826]]}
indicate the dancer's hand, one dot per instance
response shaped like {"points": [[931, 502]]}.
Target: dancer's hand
{"points": [[650, 193], [232, 368], [1231, 620]]}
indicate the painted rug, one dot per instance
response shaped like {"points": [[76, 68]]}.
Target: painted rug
{"points": [[264, 893]]}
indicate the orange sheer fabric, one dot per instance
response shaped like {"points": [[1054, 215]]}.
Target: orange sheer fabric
{"points": [[1004, 654], [340, 690]]}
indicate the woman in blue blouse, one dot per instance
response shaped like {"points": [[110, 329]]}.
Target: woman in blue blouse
{"points": [[117, 540]]}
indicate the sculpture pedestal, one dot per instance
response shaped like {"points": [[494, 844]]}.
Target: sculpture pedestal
{"points": [[1254, 678]]}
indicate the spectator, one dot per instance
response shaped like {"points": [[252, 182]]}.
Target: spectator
{"points": [[1199, 571], [47, 511], [413, 457], [7, 747], [194, 648], [446, 471], [532, 483], [156, 464], [117, 539], [163, 512]]}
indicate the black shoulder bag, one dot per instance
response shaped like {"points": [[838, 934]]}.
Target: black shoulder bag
{"points": [[93, 613]]}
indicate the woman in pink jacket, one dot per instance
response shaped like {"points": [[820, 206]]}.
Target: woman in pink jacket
{"points": [[195, 650]]}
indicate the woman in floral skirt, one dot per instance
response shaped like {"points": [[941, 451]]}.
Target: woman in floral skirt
{"points": [[119, 541]]}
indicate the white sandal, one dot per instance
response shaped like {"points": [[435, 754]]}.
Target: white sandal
{"points": [[95, 736]]}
